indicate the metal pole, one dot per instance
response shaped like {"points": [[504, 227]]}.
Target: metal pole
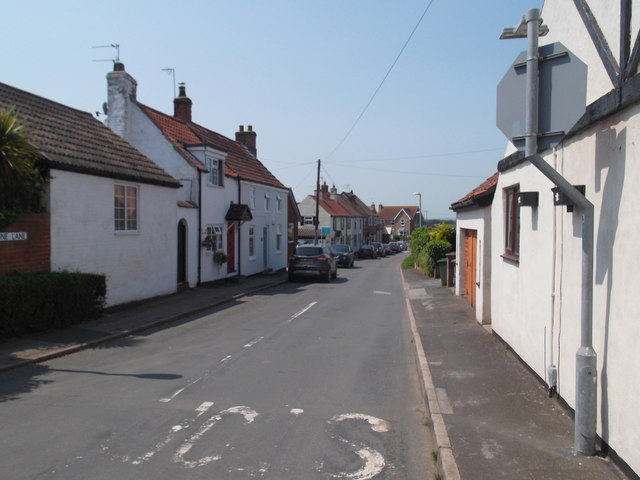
{"points": [[586, 358], [532, 17], [316, 220]]}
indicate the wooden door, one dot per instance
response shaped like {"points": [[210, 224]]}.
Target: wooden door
{"points": [[470, 265]]}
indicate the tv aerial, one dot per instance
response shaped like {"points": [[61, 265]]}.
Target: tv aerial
{"points": [[116, 46]]}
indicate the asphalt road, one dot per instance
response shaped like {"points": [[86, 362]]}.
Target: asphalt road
{"points": [[302, 381]]}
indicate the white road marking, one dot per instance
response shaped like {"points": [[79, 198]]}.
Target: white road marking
{"points": [[301, 312], [179, 391], [254, 342], [373, 460], [296, 411], [249, 415], [380, 292], [200, 410]]}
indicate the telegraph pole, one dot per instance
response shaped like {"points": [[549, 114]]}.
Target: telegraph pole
{"points": [[316, 220]]}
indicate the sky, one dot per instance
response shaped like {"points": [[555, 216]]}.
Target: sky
{"points": [[313, 78]]}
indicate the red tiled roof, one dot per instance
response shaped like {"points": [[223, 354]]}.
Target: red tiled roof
{"points": [[333, 208], [389, 213], [485, 189], [73, 140], [239, 161]]}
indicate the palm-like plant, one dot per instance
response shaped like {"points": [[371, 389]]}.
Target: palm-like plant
{"points": [[21, 181]]}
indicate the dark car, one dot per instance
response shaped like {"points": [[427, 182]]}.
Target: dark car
{"points": [[367, 251], [387, 249], [345, 255], [312, 261], [396, 247], [379, 249]]}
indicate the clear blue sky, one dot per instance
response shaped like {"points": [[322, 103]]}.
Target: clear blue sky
{"points": [[300, 72]]}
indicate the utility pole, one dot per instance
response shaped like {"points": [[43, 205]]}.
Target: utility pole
{"points": [[316, 220]]}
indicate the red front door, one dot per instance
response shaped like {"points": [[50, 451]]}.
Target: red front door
{"points": [[231, 247]]}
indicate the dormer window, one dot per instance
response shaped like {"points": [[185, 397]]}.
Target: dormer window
{"points": [[216, 171]]}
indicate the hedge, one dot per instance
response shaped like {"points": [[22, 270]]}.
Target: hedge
{"points": [[34, 302]]}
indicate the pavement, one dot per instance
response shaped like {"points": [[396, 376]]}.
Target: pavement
{"points": [[490, 416]]}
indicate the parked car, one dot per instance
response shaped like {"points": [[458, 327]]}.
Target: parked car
{"points": [[379, 249], [367, 251], [345, 256], [387, 249], [396, 247], [312, 261]]}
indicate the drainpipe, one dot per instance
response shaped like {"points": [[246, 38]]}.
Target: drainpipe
{"points": [[199, 247], [239, 249], [586, 358]]}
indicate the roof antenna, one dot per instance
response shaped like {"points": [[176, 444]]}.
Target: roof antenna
{"points": [[111, 45], [172, 72]]}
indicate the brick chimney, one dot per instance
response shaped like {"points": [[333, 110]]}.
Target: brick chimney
{"points": [[182, 104], [121, 94], [324, 191], [248, 138]]}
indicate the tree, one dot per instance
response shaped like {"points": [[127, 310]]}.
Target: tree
{"points": [[22, 178]]}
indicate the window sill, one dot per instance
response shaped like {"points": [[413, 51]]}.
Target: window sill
{"points": [[511, 258]]}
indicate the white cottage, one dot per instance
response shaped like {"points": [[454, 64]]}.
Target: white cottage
{"points": [[537, 245], [232, 212], [110, 208], [473, 248]]}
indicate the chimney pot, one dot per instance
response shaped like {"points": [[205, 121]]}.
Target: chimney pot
{"points": [[182, 104], [248, 138]]}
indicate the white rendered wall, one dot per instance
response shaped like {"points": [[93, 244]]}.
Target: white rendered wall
{"points": [[603, 159], [478, 219], [262, 217], [137, 265]]}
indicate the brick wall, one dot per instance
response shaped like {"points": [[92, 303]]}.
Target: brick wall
{"points": [[33, 254]]}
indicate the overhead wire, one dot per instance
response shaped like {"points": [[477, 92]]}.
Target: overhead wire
{"points": [[375, 93]]}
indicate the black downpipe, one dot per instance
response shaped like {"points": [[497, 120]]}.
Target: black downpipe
{"points": [[239, 249], [198, 249]]}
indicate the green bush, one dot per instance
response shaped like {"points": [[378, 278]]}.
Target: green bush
{"points": [[435, 250], [36, 302]]}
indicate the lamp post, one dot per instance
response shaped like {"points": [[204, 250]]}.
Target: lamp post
{"points": [[420, 200]]}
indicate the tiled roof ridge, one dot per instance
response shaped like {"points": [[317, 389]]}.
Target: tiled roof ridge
{"points": [[485, 188], [73, 140]]}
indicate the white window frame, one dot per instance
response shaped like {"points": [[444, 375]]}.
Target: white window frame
{"points": [[126, 217], [252, 242], [216, 234], [216, 172], [267, 201], [278, 202], [307, 220], [252, 198], [278, 238]]}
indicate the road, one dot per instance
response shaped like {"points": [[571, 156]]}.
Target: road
{"points": [[302, 381]]}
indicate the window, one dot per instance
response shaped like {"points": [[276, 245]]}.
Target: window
{"points": [[252, 198], [279, 202], [512, 223], [213, 238], [216, 172], [267, 201], [126, 208], [290, 232], [341, 223], [252, 242], [348, 223], [402, 222], [308, 220], [278, 238]]}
